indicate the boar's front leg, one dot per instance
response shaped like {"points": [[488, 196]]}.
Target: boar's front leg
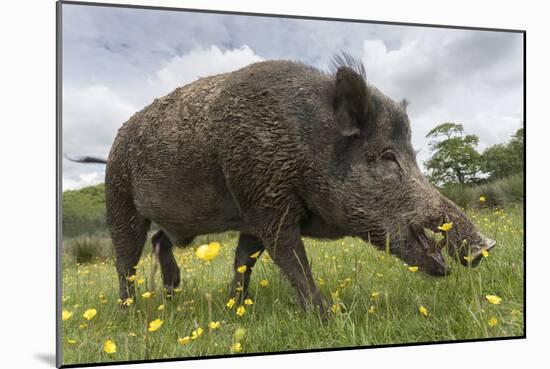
{"points": [[248, 251], [287, 251]]}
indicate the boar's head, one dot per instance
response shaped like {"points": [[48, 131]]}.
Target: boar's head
{"points": [[387, 199]]}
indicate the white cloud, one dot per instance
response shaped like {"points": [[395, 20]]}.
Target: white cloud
{"points": [[93, 114], [83, 180], [392, 71], [201, 62], [485, 97]]}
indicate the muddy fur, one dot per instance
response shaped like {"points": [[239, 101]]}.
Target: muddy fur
{"points": [[276, 150]]}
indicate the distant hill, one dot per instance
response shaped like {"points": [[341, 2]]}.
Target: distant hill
{"points": [[84, 211]]}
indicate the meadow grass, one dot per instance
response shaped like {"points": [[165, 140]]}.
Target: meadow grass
{"points": [[375, 300]]}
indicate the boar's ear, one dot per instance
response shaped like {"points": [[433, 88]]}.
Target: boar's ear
{"points": [[350, 101]]}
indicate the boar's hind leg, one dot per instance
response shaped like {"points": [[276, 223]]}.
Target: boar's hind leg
{"points": [[288, 252], [248, 250], [162, 247], [128, 232]]}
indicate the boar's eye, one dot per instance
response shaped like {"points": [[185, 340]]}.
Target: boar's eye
{"points": [[390, 156]]}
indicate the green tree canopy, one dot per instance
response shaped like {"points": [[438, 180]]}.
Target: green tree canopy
{"points": [[454, 155], [83, 210], [503, 160]]}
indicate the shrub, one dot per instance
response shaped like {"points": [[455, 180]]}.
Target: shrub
{"points": [[85, 249], [499, 193]]}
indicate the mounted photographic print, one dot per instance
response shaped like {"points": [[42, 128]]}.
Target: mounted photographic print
{"points": [[238, 184]]}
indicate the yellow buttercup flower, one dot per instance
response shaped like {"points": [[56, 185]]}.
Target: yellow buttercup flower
{"points": [[140, 281], [184, 341], [485, 253], [154, 325], [493, 299], [89, 314], [127, 302], [161, 307], [242, 269], [445, 227], [482, 199], [264, 283], [423, 310], [335, 308], [248, 302], [196, 333], [146, 295], [208, 252], [374, 295], [231, 302], [109, 347], [82, 326], [372, 309], [255, 255], [413, 269], [66, 315], [214, 325], [236, 347], [241, 310], [492, 322], [131, 278], [240, 333]]}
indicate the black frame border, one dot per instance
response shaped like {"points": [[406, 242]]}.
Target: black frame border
{"points": [[58, 113]]}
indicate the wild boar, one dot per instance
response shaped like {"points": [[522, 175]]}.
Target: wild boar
{"points": [[276, 151]]}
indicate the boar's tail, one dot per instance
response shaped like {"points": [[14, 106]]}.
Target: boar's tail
{"points": [[86, 159]]}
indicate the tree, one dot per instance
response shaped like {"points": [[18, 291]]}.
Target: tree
{"points": [[83, 210], [454, 155], [503, 160]]}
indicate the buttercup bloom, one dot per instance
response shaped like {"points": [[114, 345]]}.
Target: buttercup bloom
{"points": [[423, 310], [241, 310], [196, 333], [154, 325], [214, 325], [242, 269], [239, 334], [236, 347], [146, 295], [493, 299], [231, 302], [208, 252], [109, 347], [184, 341], [89, 314], [66, 315], [445, 227]]}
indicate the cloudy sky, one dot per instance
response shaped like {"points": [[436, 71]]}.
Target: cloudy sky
{"points": [[116, 61]]}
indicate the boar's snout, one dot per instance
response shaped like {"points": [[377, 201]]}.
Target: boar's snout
{"points": [[434, 264]]}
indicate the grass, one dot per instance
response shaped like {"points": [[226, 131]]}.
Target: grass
{"points": [[352, 275]]}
